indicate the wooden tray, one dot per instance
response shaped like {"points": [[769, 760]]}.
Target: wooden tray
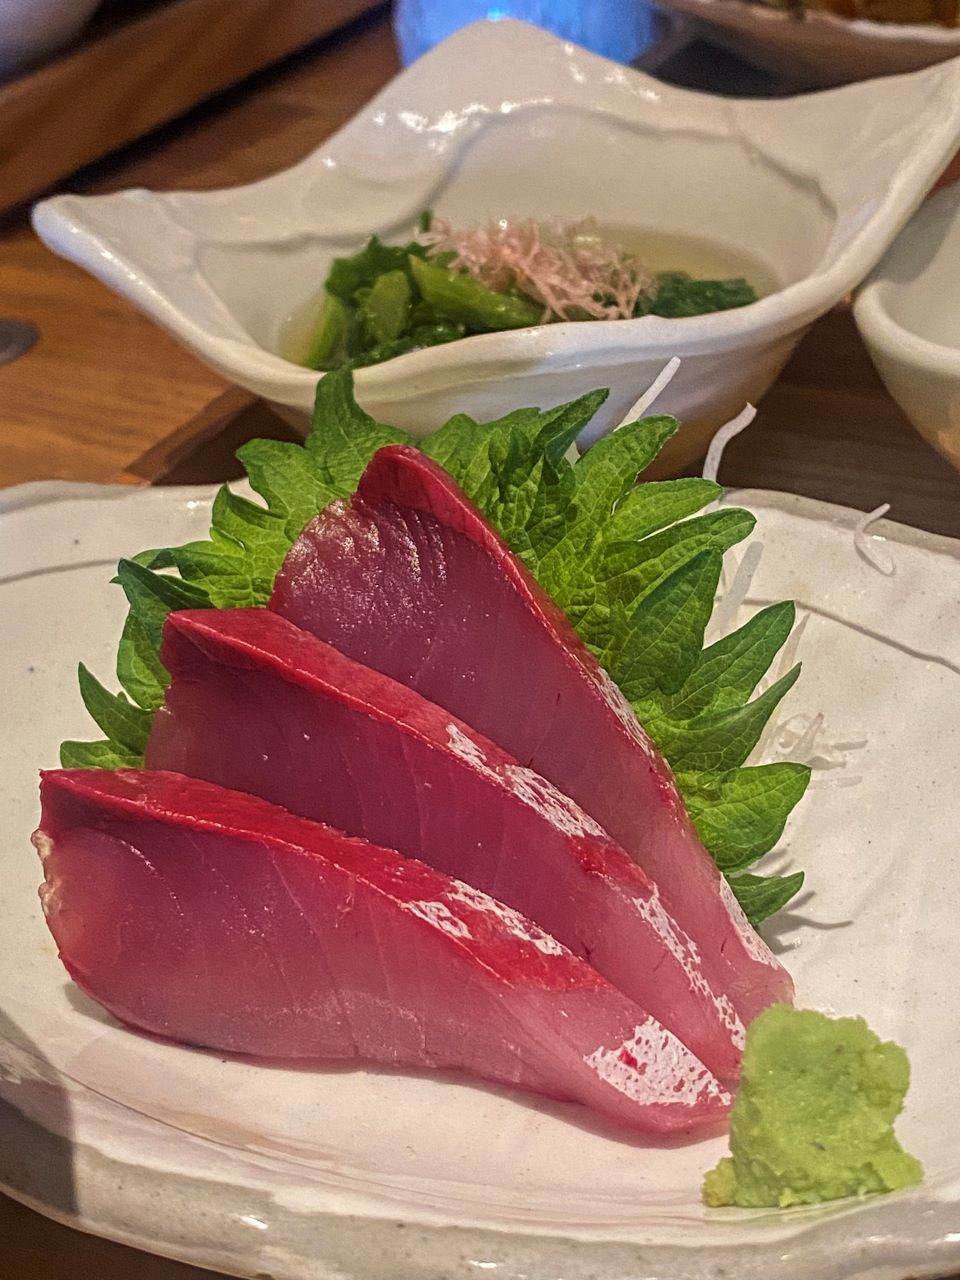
{"points": [[142, 63]]}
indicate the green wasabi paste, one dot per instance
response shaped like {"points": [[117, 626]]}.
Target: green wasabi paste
{"points": [[813, 1118]]}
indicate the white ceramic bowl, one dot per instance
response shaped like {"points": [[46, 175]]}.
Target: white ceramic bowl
{"points": [[505, 118], [908, 313], [821, 49], [31, 28]]}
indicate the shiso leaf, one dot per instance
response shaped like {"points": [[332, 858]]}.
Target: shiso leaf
{"points": [[98, 755], [124, 723], [344, 438], [633, 566], [718, 740], [763, 896], [139, 669], [513, 468], [630, 569], [663, 638], [657, 503], [740, 814], [601, 479], [286, 477], [727, 672]]}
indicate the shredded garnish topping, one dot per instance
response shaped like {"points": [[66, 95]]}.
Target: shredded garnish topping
{"points": [[568, 267]]}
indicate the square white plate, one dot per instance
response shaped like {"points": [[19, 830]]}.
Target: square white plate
{"points": [[301, 1175]]}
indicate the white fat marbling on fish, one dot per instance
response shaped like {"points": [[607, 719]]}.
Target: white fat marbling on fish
{"points": [[529, 787], [549, 801], [687, 954], [43, 844], [518, 925], [466, 748], [439, 914], [622, 709], [753, 944], [49, 890], [731, 1020], [680, 946], [666, 1072]]}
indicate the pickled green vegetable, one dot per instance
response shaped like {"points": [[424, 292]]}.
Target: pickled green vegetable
{"points": [[361, 270], [386, 308], [677, 294], [459, 297], [387, 300], [328, 345]]}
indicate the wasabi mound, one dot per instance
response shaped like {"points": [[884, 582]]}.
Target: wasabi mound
{"points": [[813, 1119]]}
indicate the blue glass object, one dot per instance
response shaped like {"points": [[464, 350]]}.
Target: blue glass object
{"points": [[618, 29]]}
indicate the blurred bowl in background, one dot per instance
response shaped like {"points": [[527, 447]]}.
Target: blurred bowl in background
{"points": [[504, 118], [31, 29], [908, 313], [818, 50]]}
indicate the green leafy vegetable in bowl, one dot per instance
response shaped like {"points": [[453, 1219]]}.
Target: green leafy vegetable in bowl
{"points": [[390, 299], [635, 568]]}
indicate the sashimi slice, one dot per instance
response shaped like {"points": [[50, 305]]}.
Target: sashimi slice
{"points": [[259, 705], [216, 919], [410, 578]]}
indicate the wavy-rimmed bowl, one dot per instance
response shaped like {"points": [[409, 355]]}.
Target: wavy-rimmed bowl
{"points": [[819, 49], [503, 117]]}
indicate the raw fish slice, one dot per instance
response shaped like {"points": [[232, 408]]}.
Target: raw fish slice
{"points": [[216, 919], [259, 705], [411, 579]]}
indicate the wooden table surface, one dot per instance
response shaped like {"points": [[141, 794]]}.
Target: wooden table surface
{"points": [[104, 393]]}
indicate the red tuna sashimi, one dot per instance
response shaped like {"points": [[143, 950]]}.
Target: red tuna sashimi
{"points": [[259, 705], [217, 919], [410, 578]]}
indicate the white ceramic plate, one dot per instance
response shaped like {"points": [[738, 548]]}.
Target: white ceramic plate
{"points": [[504, 118], [822, 49], [358, 1175]]}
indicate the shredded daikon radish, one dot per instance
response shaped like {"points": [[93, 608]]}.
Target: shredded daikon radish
{"points": [[660, 382], [729, 602], [637, 410], [806, 742], [847, 780], [802, 738], [724, 435], [788, 654], [866, 543]]}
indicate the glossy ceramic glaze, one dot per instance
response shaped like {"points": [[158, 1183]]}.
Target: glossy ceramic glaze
{"points": [[908, 313], [504, 118], [353, 1174]]}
